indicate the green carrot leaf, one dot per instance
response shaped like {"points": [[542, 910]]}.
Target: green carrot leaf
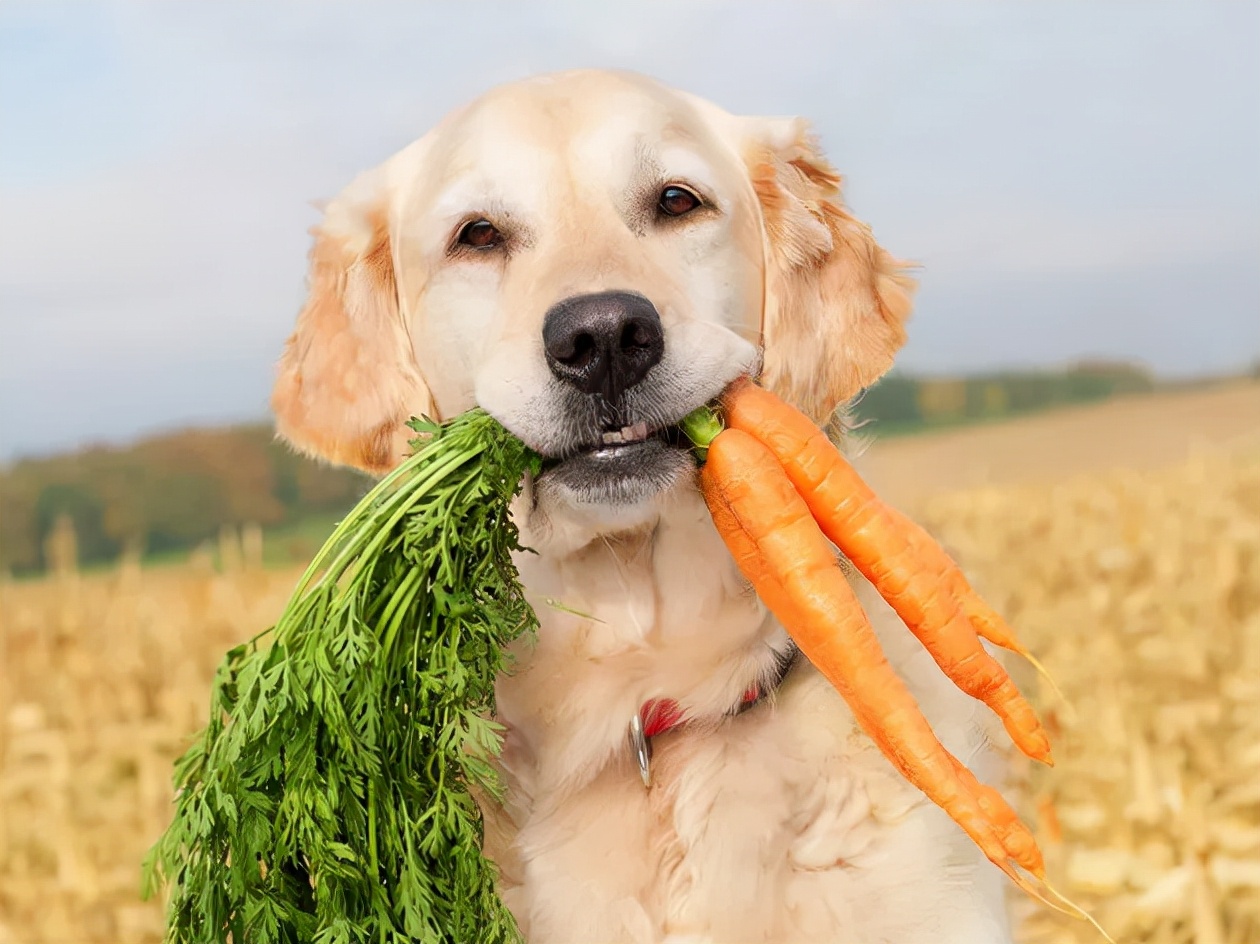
{"points": [[330, 798]]}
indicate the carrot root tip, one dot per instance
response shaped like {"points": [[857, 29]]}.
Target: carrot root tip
{"points": [[1049, 679], [1075, 910]]}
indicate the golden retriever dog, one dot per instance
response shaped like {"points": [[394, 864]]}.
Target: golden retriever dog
{"points": [[589, 256]]}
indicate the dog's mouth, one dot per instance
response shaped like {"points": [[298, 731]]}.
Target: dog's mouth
{"points": [[625, 440], [626, 465]]}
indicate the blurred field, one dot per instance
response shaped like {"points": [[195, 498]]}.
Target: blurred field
{"points": [[1141, 594], [1123, 540], [1145, 432]]}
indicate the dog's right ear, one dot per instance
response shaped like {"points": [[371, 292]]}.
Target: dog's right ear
{"points": [[347, 380]]}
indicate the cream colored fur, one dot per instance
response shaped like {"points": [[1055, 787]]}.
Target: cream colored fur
{"points": [[784, 824]]}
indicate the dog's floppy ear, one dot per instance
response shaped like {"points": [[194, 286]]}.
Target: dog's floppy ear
{"points": [[836, 303], [347, 380]]}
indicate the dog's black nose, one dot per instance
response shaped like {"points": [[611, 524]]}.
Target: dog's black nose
{"points": [[603, 343]]}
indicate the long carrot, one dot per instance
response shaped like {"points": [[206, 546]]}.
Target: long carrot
{"points": [[781, 551], [910, 570]]}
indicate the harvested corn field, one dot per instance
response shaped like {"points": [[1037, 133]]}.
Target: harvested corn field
{"points": [[103, 677], [1139, 588], [1141, 594]]}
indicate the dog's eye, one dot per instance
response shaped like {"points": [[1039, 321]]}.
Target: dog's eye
{"points": [[677, 201], [480, 234]]}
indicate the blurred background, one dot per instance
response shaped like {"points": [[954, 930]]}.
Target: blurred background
{"points": [[1077, 413]]}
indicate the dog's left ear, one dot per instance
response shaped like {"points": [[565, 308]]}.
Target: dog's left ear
{"points": [[836, 303]]}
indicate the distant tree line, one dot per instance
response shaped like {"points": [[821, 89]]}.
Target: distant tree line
{"points": [[163, 494], [900, 403], [175, 491]]}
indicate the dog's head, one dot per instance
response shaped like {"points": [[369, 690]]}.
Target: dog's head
{"points": [[588, 256]]}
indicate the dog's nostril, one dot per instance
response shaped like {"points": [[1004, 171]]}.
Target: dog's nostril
{"points": [[583, 350], [636, 335], [572, 351]]}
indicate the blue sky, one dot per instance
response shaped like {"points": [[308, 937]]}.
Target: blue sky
{"points": [[1076, 179]]}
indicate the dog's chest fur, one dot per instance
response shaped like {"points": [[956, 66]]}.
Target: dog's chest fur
{"points": [[782, 824]]}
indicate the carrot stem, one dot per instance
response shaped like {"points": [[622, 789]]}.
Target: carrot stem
{"points": [[701, 426]]}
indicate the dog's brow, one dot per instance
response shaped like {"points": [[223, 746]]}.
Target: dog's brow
{"points": [[646, 162], [474, 196]]}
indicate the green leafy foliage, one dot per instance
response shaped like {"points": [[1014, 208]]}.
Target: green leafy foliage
{"points": [[901, 403], [168, 494], [330, 798]]}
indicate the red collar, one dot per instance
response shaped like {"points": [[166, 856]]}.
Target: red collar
{"points": [[659, 715]]}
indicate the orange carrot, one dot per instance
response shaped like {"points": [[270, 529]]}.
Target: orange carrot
{"points": [[910, 570], [931, 556], [781, 551], [757, 411]]}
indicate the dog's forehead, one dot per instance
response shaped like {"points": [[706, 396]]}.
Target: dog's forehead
{"points": [[580, 102], [597, 121]]}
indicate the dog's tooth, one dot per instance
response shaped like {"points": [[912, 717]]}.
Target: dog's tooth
{"points": [[613, 437], [634, 433]]}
